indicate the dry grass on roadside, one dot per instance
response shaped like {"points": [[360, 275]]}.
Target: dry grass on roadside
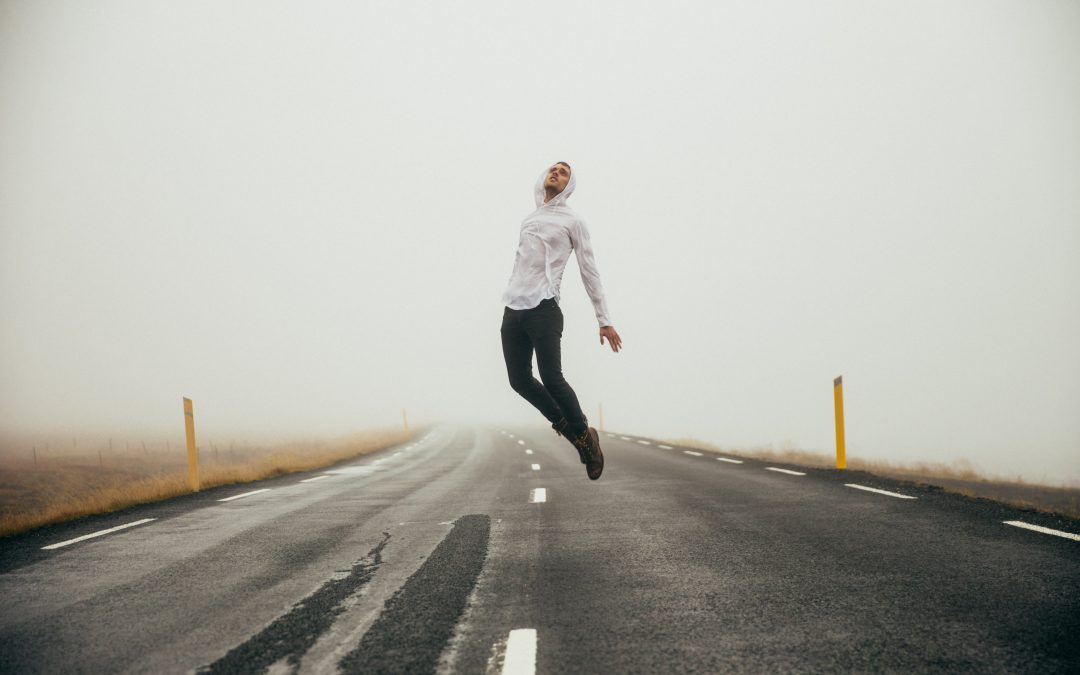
{"points": [[60, 487], [959, 477]]}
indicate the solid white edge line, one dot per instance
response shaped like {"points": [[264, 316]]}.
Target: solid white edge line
{"points": [[691, 452], [97, 534], [787, 471], [520, 652], [880, 492], [666, 447], [246, 494], [644, 442], [308, 480], [537, 495], [535, 467], [729, 460], [1044, 530]]}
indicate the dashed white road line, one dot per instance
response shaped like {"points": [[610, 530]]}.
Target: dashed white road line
{"points": [[644, 442], [245, 494], [729, 460], [520, 652], [520, 442], [308, 480], [666, 447], [880, 492], [537, 495], [787, 471], [1044, 530], [535, 467], [528, 451], [691, 452], [98, 533], [626, 438]]}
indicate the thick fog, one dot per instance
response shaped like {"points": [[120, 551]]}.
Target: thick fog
{"points": [[303, 216]]}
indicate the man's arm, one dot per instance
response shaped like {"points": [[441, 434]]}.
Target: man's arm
{"points": [[590, 277]]}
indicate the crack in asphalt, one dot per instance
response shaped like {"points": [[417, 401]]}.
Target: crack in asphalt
{"points": [[292, 634]]}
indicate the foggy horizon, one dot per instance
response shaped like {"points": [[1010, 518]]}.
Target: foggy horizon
{"points": [[304, 218]]}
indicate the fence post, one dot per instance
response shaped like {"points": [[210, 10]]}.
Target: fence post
{"points": [[405, 420], [838, 406], [192, 453]]}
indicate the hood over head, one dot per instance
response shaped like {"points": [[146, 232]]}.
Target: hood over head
{"points": [[559, 199]]}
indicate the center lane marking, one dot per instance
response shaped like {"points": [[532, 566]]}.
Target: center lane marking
{"points": [[520, 652], [535, 467], [691, 452], [644, 442], [666, 447], [528, 451], [732, 461], [538, 495]]}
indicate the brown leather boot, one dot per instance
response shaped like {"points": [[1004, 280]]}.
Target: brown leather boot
{"points": [[560, 429], [588, 445]]}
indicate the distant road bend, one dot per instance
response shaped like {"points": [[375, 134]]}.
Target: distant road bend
{"points": [[488, 550]]}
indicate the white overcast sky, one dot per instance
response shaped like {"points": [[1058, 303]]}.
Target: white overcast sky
{"points": [[303, 215]]}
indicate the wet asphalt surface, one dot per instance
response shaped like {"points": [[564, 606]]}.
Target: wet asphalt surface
{"points": [[423, 557]]}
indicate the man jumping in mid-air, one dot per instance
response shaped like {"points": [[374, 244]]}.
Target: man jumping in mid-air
{"points": [[532, 318]]}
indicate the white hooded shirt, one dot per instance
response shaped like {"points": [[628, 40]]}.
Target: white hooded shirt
{"points": [[548, 235]]}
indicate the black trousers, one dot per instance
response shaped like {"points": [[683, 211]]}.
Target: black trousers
{"points": [[540, 329]]}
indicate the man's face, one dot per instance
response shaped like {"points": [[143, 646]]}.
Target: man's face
{"points": [[557, 178]]}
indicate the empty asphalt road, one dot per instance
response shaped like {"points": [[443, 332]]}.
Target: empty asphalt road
{"points": [[487, 550]]}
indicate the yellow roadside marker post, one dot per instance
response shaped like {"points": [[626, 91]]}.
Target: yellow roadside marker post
{"points": [[838, 405], [192, 454]]}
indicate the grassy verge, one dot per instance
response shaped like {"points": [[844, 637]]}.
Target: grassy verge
{"points": [[61, 487], [959, 477]]}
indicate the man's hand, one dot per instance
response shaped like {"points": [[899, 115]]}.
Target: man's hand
{"points": [[613, 337]]}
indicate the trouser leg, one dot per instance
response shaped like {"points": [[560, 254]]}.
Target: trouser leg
{"points": [[544, 325], [518, 353]]}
